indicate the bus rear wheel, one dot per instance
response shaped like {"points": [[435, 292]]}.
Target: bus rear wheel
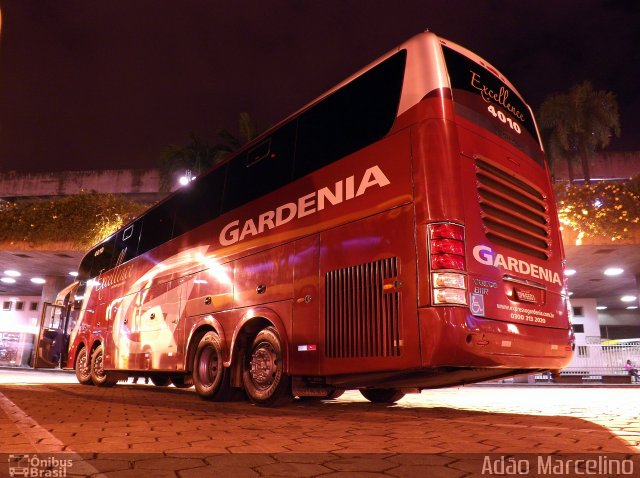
{"points": [[98, 374], [210, 377], [83, 367], [382, 395], [263, 375]]}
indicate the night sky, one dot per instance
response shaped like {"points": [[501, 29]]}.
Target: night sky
{"points": [[96, 84]]}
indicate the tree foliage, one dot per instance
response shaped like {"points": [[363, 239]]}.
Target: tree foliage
{"points": [[602, 209], [198, 156], [574, 125], [79, 220]]}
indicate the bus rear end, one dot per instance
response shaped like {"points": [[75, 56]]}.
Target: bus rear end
{"points": [[492, 296]]}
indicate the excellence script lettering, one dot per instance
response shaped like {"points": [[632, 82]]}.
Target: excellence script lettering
{"points": [[499, 97]]}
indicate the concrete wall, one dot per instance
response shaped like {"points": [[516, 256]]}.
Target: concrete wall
{"points": [[615, 165], [14, 320], [116, 181], [588, 318], [18, 329], [620, 324]]}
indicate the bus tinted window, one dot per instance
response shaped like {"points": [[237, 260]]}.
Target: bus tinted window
{"points": [[127, 243], [353, 117], [157, 227], [84, 269], [263, 168], [198, 202], [102, 256], [483, 98]]}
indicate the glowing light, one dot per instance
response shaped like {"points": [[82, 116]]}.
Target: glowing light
{"points": [[183, 180], [74, 274], [632, 307], [8, 280], [613, 271], [12, 273], [570, 272], [38, 280], [601, 307], [628, 298]]}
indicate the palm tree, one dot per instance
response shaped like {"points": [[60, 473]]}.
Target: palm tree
{"points": [[198, 156], [230, 143], [575, 125], [195, 157]]}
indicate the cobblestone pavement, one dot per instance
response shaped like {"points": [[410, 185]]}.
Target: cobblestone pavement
{"points": [[138, 431]]}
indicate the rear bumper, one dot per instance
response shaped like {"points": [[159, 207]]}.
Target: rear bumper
{"points": [[459, 348], [455, 338]]}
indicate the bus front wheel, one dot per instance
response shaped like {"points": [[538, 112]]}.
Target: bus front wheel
{"points": [[83, 367], [98, 374], [382, 395], [210, 377], [263, 376]]}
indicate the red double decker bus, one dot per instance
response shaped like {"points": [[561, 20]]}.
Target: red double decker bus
{"points": [[398, 233]]}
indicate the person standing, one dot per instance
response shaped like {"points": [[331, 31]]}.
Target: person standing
{"points": [[631, 370]]}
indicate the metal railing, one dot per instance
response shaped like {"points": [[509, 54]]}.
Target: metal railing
{"points": [[593, 360]]}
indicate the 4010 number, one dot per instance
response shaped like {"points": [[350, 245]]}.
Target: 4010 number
{"points": [[502, 117]]}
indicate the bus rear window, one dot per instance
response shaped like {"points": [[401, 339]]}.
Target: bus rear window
{"points": [[481, 97]]}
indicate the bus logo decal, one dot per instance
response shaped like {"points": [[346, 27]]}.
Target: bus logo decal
{"points": [[306, 205], [485, 255]]}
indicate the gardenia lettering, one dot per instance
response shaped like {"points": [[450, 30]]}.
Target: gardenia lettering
{"points": [[484, 255], [343, 190]]}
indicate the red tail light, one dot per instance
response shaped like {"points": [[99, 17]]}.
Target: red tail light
{"points": [[447, 246], [447, 264], [447, 261], [446, 231]]}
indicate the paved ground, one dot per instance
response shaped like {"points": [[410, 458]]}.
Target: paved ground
{"points": [[139, 430]]}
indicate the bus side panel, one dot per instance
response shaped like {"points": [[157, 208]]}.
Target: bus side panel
{"points": [[305, 336], [368, 280], [264, 277], [210, 290], [437, 187]]}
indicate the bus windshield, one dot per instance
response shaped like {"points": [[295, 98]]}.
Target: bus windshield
{"points": [[480, 96]]}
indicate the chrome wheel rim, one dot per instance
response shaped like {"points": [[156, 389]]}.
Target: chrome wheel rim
{"points": [[208, 366], [83, 364], [98, 367], [264, 366]]}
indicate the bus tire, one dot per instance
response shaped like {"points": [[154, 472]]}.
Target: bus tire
{"points": [[83, 367], [382, 395], [263, 374], [181, 381], [210, 377], [161, 381], [98, 375]]}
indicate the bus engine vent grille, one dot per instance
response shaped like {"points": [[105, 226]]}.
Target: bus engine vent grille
{"points": [[362, 311], [514, 214]]}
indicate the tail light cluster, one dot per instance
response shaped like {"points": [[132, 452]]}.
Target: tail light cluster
{"points": [[447, 264]]}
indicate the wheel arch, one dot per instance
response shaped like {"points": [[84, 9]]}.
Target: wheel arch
{"points": [[198, 330]]}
